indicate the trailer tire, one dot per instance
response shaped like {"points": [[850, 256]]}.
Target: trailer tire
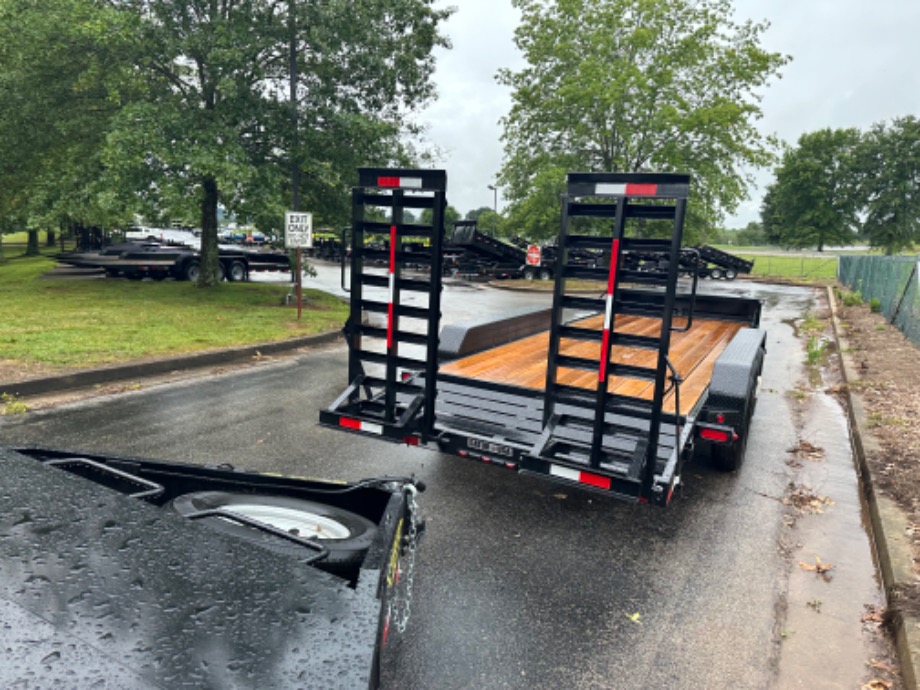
{"points": [[728, 457], [546, 274], [347, 534], [529, 274], [715, 273], [730, 274], [192, 271], [237, 272]]}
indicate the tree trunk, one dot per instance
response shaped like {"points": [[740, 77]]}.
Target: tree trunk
{"points": [[51, 240], [209, 256], [32, 247]]}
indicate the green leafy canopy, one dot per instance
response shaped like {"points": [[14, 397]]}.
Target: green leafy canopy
{"points": [[630, 86]]}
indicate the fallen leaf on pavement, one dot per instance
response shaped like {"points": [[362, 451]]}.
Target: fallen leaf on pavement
{"points": [[818, 567], [634, 618]]}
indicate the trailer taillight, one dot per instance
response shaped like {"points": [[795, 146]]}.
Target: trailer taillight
{"points": [[714, 435]]}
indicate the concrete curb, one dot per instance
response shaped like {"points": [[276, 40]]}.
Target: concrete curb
{"points": [[121, 372], [889, 521]]}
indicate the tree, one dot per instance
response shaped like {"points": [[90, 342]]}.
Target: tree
{"points": [[451, 216], [477, 212], [814, 201], [217, 124], [62, 78], [629, 86], [752, 235], [889, 166]]}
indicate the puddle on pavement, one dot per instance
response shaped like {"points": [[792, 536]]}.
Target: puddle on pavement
{"points": [[825, 641]]}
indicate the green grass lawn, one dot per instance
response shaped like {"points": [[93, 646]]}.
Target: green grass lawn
{"points": [[778, 266], [75, 323]]}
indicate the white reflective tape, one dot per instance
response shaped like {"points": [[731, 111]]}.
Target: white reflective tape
{"points": [[371, 428], [607, 188], [392, 287], [414, 182], [565, 473], [608, 313]]}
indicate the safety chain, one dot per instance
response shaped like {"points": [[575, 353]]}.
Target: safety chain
{"points": [[401, 604]]}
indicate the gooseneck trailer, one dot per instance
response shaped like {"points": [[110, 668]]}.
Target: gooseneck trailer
{"points": [[617, 392]]}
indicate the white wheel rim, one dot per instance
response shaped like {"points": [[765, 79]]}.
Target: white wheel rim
{"points": [[298, 522]]}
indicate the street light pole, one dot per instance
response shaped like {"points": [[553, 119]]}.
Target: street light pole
{"points": [[494, 208]]}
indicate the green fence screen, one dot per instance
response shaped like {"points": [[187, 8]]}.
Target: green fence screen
{"points": [[893, 281]]}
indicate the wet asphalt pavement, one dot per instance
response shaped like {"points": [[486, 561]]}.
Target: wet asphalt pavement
{"points": [[520, 583]]}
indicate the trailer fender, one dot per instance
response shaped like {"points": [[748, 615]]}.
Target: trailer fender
{"points": [[733, 394]]}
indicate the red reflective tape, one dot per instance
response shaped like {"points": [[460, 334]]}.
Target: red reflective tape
{"points": [[605, 348], [349, 423], [390, 309], [614, 258], [641, 189], [594, 480], [608, 316], [387, 181]]}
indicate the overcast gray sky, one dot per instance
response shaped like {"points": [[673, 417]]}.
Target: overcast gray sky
{"points": [[855, 62]]}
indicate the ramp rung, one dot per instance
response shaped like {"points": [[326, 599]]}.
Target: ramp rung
{"points": [[401, 310], [399, 336], [382, 358], [581, 363], [383, 281]]}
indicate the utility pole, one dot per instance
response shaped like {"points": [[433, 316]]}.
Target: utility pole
{"points": [[294, 77]]}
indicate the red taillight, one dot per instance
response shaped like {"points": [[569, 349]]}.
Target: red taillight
{"points": [[720, 419], [714, 435], [510, 465], [387, 181], [410, 440], [463, 453], [349, 423]]}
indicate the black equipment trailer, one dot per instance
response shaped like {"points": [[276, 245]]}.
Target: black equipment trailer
{"points": [[131, 573], [144, 259], [472, 252], [710, 262], [614, 397]]}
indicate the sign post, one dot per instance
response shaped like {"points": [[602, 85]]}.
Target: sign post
{"points": [[298, 233]]}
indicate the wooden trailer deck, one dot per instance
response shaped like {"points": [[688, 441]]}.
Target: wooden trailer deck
{"points": [[523, 362]]}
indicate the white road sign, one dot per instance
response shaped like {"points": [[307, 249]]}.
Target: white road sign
{"points": [[298, 230]]}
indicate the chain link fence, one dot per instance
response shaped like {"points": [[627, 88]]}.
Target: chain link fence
{"points": [[893, 281]]}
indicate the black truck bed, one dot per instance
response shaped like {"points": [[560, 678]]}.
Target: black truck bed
{"points": [[98, 588]]}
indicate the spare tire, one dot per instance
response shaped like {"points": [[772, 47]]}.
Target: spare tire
{"points": [[345, 535]]}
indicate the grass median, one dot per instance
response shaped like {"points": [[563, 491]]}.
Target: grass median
{"points": [[72, 323]]}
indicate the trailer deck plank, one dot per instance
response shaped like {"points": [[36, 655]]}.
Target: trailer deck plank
{"points": [[523, 362]]}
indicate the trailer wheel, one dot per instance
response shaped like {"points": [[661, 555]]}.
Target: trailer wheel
{"points": [[715, 273], [346, 535], [192, 271], [730, 274], [237, 272], [529, 274], [728, 457], [545, 274], [221, 271]]}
